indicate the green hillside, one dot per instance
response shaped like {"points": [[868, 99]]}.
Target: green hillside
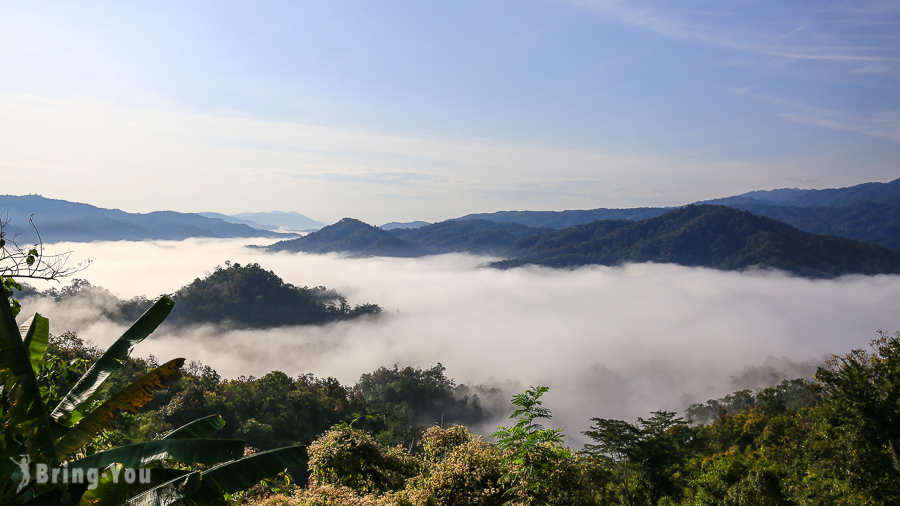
{"points": [[707, 236]]}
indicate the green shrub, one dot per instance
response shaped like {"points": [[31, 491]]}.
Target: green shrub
{"points": [[461, 469], [352, 458]]}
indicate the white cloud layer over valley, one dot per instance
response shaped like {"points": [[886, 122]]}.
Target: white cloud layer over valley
{"points": [[610, 342]]}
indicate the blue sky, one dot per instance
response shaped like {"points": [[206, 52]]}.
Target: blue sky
{"points": [[403, 110]]}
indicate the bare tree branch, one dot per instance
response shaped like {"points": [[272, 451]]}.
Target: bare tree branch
{"points": [[31, 262]]}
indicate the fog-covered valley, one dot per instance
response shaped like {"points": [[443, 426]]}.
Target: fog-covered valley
{"points": [[609, 342]]}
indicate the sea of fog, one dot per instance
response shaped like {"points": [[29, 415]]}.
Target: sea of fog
{"points": [[609, 342]]}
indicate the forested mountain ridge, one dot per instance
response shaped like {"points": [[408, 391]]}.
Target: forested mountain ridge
{"points": [[570, 218], [704, 235], [60, 220], [868, 212], [877, 193], [471, 236], [353, 237], [709, 236], [409, 224], [867, 222]]}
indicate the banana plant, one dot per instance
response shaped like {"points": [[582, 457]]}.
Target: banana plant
{"points": [[41, 448]]}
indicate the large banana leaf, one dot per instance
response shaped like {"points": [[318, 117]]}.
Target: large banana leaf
{"points": [[69, 410], [37, 338], [27, 416], [112, 489], [130, 398], [201, 428], [169, 492], [190, 451], [51, 498], [9, 448], [242, 474], [223, 479]]}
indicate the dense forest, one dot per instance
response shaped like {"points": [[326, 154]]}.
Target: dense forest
{"points": [[400, 436]]}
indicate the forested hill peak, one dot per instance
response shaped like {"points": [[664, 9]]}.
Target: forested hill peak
{"points": [[250, 296], [235, 296], [350, 236], [704, 235]]}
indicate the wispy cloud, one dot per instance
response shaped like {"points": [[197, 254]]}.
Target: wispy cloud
{"points": [[880, 124], [829, 32], [345, 173]]}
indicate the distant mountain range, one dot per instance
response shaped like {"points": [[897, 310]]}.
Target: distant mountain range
{"points": [[470, 236], [360, 239], [876, 193], [408, 224], [868, 212], [275, 221], [292, 220], [817, 232], [60, 220], [705, 235], [563, 219]]}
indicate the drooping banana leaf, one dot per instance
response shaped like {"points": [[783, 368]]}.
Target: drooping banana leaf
{"points": [[37, 338], [169, 492], [27, 416], [201, 428], [69, 410], [130, 398], [190, 451], [51, 498], [113, 489], [242, 474], [9, 449]]}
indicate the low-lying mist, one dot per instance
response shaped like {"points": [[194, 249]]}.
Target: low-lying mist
{"points": [[609, 342]]}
